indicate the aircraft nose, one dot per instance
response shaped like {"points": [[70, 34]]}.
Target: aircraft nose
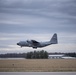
{"points": [[17, 43]]}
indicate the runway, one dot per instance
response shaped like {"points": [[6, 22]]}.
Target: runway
{"points": [[37, 73]]}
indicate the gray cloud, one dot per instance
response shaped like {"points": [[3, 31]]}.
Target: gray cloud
{"points": [[41, 8], [57, 12]]}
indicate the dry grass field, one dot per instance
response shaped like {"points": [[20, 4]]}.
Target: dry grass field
{"points": [[38, 65]]}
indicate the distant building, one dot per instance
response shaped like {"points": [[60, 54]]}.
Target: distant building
{"points": [[55, 56], [59, 56]]}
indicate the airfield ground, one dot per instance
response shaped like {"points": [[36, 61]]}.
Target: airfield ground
{"points": [[38, 65]]}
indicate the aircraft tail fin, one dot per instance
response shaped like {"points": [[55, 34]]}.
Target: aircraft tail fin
{"points": [[54, 39]]}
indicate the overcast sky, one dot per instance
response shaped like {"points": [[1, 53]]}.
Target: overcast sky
{"points": [[38, 20]]}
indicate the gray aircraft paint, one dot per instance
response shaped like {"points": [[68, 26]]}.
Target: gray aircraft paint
{"points": [[36, 44]]}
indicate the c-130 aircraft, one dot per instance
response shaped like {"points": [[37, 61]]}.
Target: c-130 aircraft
{"points": [[35, 44]]}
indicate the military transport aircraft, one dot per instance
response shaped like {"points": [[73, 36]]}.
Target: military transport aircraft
{"points": [[36, 44]]}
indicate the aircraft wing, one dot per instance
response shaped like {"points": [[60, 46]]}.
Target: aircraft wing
{"points": [[34, 42]]}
